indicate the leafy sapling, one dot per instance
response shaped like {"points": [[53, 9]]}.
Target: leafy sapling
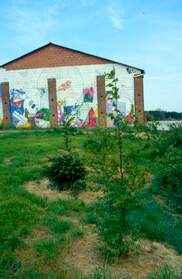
{"points": [[67, 127], [125, 185]]}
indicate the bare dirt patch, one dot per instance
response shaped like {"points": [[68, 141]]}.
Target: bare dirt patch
{"points": [[26, 254], [89, 196], [41, 188], [83, 256], [38, 233]]}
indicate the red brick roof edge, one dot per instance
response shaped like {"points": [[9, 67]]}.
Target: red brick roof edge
{"points": [[52, 44]]}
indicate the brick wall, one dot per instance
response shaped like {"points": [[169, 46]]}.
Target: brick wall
{"points": [[54, 56]]}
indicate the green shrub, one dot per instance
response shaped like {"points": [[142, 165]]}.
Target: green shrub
{"points": [[169, 176], [174, 136], [161, 141], [67, 172]]}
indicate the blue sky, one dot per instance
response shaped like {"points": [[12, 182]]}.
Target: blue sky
{"points": [[147, 34]]}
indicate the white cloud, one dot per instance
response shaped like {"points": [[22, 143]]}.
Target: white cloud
{"points": [[33, 24], [116, 16]]}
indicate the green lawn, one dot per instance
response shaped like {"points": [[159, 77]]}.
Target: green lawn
{"points": [[23, 216]]}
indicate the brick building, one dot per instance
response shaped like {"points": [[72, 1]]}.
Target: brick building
{"points": [[37, 88]]}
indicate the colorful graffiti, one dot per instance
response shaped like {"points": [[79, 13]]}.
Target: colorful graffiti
{"points": [[65, 85], [69, 110], [60, 110], [17, 98], [83, 107], [131, 116], [25, 112], [29, 110], [92, 120], [83, 115], [122, 108], [110, 108], [88, 94]]}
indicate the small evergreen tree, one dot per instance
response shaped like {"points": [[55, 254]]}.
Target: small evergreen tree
{"points": [[67, 171]]}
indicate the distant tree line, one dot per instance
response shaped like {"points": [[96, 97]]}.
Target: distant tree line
{"points": [[157, 115]]}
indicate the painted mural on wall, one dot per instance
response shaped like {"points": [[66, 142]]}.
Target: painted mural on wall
{"points": [[91, 119], [131, 115], [88, 94], [76, 94], [1, 107], [26, 112], [65, 85], [83, 116], [122, 107], [80, 103]]}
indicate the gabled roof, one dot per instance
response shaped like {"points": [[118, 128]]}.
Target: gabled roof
{"points": [[69, 49]]}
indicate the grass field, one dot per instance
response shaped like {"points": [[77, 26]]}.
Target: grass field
{"points": [[37, 233]]}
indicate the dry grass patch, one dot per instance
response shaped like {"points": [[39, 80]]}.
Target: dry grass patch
{"points": [[38, 233], [41, 188], [83, 255], [89, 196], [26, 254]]}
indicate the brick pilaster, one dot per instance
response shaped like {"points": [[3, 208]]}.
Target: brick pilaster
{"points": [[52, 102], [139, 97], [6, 104], [101, 97]]}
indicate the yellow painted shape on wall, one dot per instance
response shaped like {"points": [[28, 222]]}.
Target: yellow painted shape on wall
{"points": [[27, 125]]}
